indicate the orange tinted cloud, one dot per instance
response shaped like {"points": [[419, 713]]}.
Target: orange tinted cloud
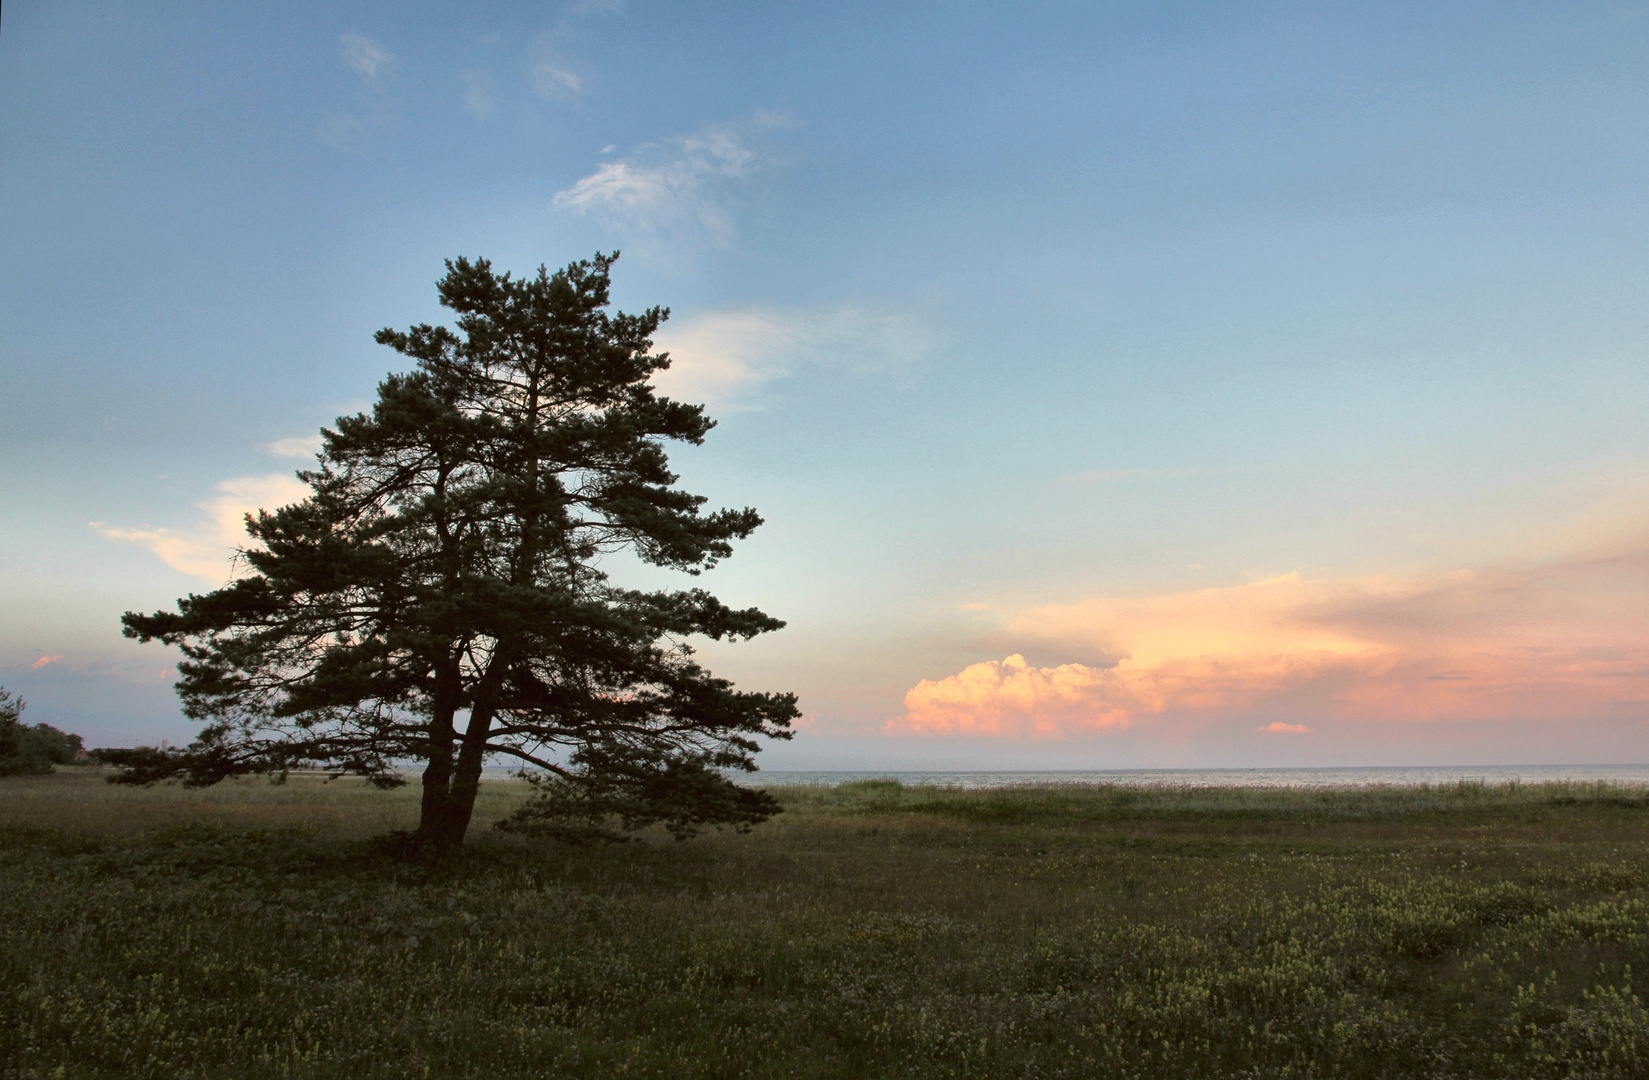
{"points": [[1568, 639], [43, 661], [1013, 698]]}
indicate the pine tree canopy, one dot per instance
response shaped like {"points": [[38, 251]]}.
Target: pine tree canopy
{"points": [[439, 597]]}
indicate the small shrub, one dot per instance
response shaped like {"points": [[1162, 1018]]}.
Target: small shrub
{"points": [[31, 751]]}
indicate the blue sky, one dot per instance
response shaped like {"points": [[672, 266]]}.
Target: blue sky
{"points": [[1242, 368]]}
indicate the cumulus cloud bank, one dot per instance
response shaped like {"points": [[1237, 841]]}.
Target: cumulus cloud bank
{"points": [[1565, 640], [206, 550]]}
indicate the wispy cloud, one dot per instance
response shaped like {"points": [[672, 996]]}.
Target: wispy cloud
{"points": [[43, 661], [1122, 476], [1278, 727], [681, 186], [723, 356], [367, 58], [551, 74], [206, 549], [551, 80], [302, 446], [1563, 640], [480, 93], [374, 64]]}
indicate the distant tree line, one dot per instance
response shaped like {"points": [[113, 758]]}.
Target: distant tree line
{"points": [[31, 750]]}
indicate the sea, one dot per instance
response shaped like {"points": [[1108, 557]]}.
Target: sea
{"points": [[1352, 776], [1389, 775]]}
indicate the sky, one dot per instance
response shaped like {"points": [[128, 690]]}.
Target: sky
{"points": [[1123, 385]]}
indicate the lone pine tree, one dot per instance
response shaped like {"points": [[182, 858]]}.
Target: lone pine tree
{"points": [[437, 598]]}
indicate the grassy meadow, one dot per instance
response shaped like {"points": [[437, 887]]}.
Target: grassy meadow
{"points": [[254, 930]]}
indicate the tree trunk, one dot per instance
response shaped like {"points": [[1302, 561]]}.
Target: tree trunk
{"points": [[450, 787], [466, 780], [435, 835]]}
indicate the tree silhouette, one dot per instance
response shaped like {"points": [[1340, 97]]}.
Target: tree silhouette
{"points": [[439, 597]]}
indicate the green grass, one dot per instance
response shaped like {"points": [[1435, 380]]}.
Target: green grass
{"points": [[251, 930]]}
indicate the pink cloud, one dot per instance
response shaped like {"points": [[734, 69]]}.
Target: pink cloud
{"points": [[43, 661], [1277, 727], [1564, 640]]}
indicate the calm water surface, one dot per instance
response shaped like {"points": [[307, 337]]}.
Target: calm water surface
{"points": [[1395, 775]]}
